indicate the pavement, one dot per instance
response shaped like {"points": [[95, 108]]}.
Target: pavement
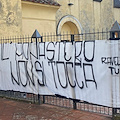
{"points": [[19, 110]]}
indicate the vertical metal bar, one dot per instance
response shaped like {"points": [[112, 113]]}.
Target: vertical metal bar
{"points": [[102, 33], [39, 99], [69, 103], [62, 36], [98, 34], [59, 101], [89, 36], [94, 34], [106, 33], [43, 99], [41, 39], [67, 35], [49, 100], [47, 37], [54, 37], [100, 109], [51, 37], [63, 101], [80, 106], [88, 107], [104, 110], [52, 100], [96, 109], [74, 104], [66, 102], [114, 111], [44, 37], [85, 35], [56, 100], [72, 38]]}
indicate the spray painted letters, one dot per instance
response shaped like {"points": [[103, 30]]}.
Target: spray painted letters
{"points": [[70, 69]]}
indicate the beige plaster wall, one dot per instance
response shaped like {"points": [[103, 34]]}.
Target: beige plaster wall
{"points": [[38, 16], [15, 20], [91, 15], [10, 18], [69, 28]]}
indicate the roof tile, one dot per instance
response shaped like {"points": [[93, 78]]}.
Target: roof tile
{"points": [[49, 2]]}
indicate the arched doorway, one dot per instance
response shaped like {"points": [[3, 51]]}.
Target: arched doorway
{"points": [[69, 27], [69, 24]]}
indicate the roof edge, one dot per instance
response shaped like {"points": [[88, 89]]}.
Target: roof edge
{"points": [[44, 2]]}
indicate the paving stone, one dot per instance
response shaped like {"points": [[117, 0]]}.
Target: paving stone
{"points": [[17, 110]]}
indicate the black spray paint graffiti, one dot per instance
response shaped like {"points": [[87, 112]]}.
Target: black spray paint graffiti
{"points": [[113, 62], [28, 59]]}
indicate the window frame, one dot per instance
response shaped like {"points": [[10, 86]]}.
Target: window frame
{"points": [[98, 0], [116, 3]]}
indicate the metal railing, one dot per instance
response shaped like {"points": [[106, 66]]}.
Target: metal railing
{"points": [[58, 38], [59, 100]]}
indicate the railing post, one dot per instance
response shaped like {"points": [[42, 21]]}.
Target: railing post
{"points": [[115, 32], [43, 99], [37, 35], [39, 99], [115, 116], [114, 111], [41, 39], [72, 38], [74, 104]]}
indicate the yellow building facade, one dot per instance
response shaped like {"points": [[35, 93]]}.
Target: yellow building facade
{"points": [[75, 16], [22, 17], [38, 16], [10, 18], [87, 14]]}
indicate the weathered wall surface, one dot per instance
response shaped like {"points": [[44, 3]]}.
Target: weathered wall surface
{"points": [[91, 14], [15, 20], [38, 16], [10, 18]]}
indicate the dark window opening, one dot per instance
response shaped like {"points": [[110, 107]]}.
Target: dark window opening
{"points": [[117, 3], [97, 0]]}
